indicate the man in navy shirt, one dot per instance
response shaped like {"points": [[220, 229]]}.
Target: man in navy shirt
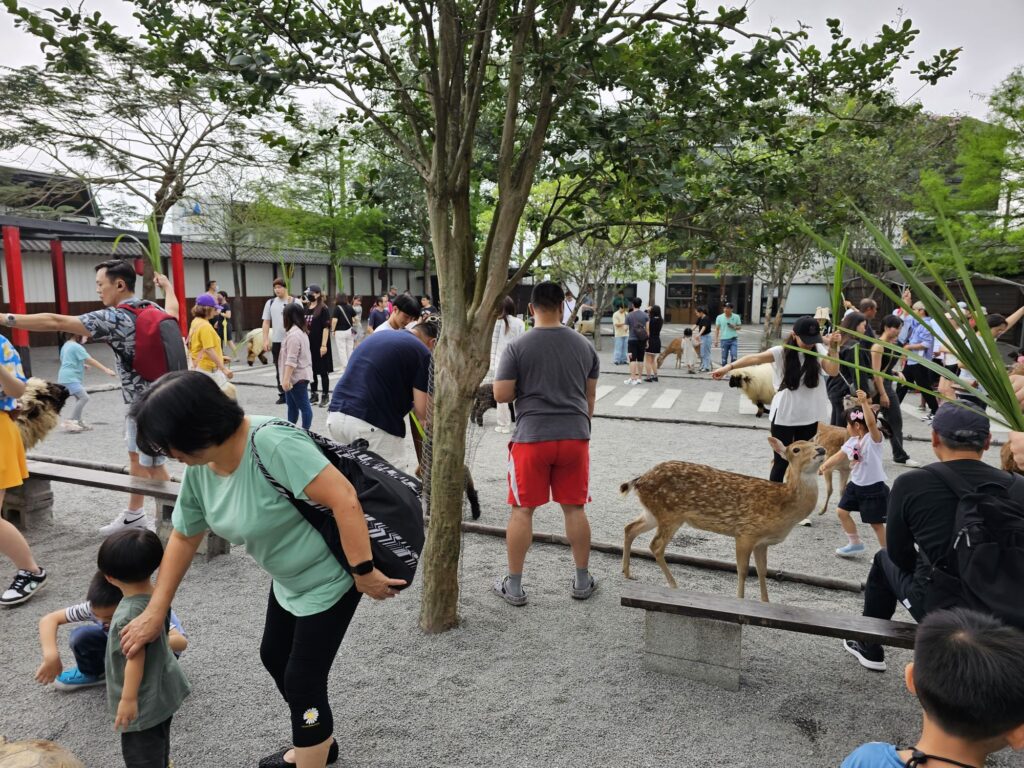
{"points": [[387, 376]]}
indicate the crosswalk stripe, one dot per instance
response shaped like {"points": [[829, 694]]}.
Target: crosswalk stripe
{"points": [[711, 403], [603, 390], [632, 397], [667, 398]]}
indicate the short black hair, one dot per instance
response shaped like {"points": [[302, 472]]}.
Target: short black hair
{"points": [[547, 295], [976, 444], [210, 284], [407, 304], [429, 326], [892, 321], [867, 304], [222, 293], [969, 673], [102, 594], [131, 555], [186, 411], [119, 269], [637, 302], [994, 319], [293, 315]]}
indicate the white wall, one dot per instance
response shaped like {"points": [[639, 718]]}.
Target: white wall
{"points": [[804, 299], [259, 279], [365, 280], [221, 272]]}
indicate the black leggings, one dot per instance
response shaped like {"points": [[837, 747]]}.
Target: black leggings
{"points": [[298, 652], [918, 374], [787, 435], [324, 385]]}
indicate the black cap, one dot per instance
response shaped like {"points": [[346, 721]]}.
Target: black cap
{"points": [[314, 288], [808, 330], [961, 423], [728, 304]]}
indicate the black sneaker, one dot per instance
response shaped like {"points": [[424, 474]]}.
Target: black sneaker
{"points": [[280, 401], [24, 587], [869, 655], [277, 760]]}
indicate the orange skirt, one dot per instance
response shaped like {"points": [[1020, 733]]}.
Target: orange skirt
{"points": [[13, 469]]}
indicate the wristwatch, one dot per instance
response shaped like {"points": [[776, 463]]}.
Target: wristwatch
{"points": [[363, 569], [9, 320]]}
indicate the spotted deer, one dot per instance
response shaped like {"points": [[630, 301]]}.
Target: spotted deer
{"points": [[831, 439], [756, 512]]}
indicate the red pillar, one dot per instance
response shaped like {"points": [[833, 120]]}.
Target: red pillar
{"points": [[178, 277], [60, 276], [15, 281]]}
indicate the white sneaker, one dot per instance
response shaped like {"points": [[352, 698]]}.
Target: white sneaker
{"points": [[129, 519], [73, 426], [806, 522]]}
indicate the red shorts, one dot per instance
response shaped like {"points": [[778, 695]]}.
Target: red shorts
{"points": [[553, 470]]}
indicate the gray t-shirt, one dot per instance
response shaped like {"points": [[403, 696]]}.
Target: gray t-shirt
{"points": [[636, 320], [273, 311], [551, 367]]}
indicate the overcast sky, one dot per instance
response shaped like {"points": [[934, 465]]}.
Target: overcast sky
{"points": [[989, 31]]}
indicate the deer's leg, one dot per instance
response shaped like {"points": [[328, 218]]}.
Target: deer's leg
{"points": [[743, 550], [761, 562], [642, 524], [666, 531], [828, 491]]}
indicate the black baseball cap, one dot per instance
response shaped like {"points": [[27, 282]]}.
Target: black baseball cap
{"points": [[314, 288], [808, 330], [960, 423]]}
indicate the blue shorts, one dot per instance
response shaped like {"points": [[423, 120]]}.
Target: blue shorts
{"points": [[145, 459], [74, 388], [872, 501]]}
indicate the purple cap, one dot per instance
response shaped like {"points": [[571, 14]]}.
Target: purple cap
{"points": [[206, 300]]}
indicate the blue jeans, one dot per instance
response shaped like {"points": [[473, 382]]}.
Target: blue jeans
{"points": [[297, 401], [89, 645], [729, 350], [705, 352], [619, 355]]}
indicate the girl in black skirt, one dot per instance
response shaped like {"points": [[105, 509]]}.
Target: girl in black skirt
{"points": [[654, 326]]}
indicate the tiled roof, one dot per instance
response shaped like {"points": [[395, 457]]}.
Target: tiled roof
{"points": [[195, 249]]}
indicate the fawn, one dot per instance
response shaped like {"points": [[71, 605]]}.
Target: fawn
{"points": [[756, 512]]}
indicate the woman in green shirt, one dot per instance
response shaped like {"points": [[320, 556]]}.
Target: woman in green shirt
{"points": [[312, 600]]}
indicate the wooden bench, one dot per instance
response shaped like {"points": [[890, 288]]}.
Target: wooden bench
{"points": [[697, 635], [165, 493]]}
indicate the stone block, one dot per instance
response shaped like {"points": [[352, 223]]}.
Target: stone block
{"points": [[705, 650], [29, 504], [209, 547]]}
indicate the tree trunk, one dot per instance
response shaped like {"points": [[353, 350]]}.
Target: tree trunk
{"points": [[452, 402], [237, 304]]}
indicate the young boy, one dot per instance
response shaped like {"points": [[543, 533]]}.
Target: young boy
{"points": [[968, 674], [89, 641], [73, 359], [145, 691]]}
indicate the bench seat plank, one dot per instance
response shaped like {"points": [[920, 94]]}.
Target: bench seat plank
{"points": [[755, 613], [165, 490]]}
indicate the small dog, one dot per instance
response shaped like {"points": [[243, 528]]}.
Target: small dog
{"points": [[39, 410]]}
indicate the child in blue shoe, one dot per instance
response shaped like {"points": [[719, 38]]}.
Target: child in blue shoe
{"points": [[89, 641], [866, 492], [968, 674], [144, 691]]}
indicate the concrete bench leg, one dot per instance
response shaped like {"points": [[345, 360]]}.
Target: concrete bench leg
{"points": [[29, 504], [211, 545], [699, 649]]}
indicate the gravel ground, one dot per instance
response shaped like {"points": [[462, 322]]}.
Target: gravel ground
{"points": [[558, 683]]}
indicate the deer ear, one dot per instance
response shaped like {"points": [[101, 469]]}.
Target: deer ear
{"points": [[777, 446]]}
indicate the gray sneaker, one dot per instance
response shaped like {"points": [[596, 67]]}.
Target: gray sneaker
{"points": [[500, 591], [585, 592]]}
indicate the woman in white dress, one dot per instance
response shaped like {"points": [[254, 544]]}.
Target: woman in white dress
{"points": [[507, 328]]}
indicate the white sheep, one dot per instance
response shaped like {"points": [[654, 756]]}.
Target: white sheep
{"points": [[756, 383]]}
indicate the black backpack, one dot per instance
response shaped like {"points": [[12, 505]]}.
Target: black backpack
{"points": [[390, 500], [984, 567]]}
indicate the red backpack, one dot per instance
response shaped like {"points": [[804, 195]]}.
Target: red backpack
{"points": [[158, 345]]}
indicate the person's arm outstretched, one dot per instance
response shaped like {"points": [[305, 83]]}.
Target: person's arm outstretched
{"points": [[92, 362], [51, 665], [869, 416], [756, 358]]}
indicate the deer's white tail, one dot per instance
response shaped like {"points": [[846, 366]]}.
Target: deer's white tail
{"points": [[625, 488]]}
